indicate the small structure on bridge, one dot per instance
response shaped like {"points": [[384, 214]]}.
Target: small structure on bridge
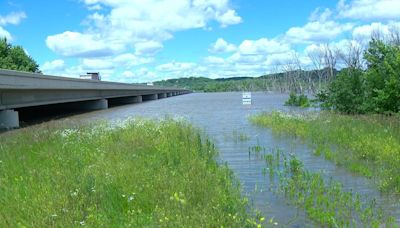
{"points": [[91, 76]]}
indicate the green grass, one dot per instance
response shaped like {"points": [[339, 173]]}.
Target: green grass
{"points": [[368, 145], [325, 202], [142, 173]]}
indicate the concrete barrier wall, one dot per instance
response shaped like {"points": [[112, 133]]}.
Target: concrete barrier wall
{"points": [[21, 80]]}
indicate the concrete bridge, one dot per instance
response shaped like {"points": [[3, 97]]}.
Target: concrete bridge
{"points": [[20, 90]]}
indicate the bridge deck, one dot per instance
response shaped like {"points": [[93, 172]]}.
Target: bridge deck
{"points": [[20, 89]]}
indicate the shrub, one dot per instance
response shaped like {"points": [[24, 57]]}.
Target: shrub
{"points": [[299, 101], [346, 92]]}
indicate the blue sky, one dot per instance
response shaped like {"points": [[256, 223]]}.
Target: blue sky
{"points": [[148, 40]]}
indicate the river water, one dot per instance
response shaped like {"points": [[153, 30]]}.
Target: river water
{"points": [[220, 116]]}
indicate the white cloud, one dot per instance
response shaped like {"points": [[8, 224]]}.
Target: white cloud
{"points": [[96, 7], [129, 22], [53, 67], [262, 46], [176, 66], [74, 44], [365, 32], [140, 75], [128, 74], [98, 64], [320, 15], [126, 60], [12, 19], [149, 48], [221, 46], [246, 59], [229, 18], [129, 60], [280, 58], [5, 33], [317, 31], [369, 9], [251, 58], [213, 60]]}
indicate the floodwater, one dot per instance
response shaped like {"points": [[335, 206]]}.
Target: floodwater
{"points": [[220, 116]]}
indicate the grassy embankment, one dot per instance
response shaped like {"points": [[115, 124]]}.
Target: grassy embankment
{"points": [[367, 144], [143, 173]]}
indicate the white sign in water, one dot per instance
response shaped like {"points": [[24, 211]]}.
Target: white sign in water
{"points": [[246, 98]]}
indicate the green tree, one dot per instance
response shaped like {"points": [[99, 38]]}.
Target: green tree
{"points": [[383, 77], [346, 92], [15, 58]]}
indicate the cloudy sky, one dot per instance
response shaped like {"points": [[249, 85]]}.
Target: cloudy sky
{"points": [[149, 40]]}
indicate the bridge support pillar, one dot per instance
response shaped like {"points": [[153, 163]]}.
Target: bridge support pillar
{"points": [[95, 105], [149, 97], [9, 119], [169, 94], [129, 100], [137, 99], [162, 95]]}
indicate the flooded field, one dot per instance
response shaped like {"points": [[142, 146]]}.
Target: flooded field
{"points": [[224, 118]]}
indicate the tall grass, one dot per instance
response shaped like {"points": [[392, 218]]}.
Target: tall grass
{"points": [[142, 173], [368, 145]]}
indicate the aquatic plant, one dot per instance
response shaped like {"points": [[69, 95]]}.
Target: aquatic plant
{"points": [[140, 174], [239, 136], [368, 145], [325, 202]]}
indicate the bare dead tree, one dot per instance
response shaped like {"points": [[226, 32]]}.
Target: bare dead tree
{"points": [[297, 73], [352, 54], [377, 34], [394, 35], [288, 69], [317, 59], [330, 60], [275, 85]]}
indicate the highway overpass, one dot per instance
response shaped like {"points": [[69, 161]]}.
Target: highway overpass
{"points": [[21, 90]]}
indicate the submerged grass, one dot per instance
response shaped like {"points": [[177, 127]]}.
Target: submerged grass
{"points": [[142, 173], [368, 145], [325, 202]]}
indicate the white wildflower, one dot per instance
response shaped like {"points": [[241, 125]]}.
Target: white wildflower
{"points": [[132, 197]]}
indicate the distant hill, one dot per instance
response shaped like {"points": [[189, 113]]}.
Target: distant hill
{"points": [[284, 82], [203, 84]]}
